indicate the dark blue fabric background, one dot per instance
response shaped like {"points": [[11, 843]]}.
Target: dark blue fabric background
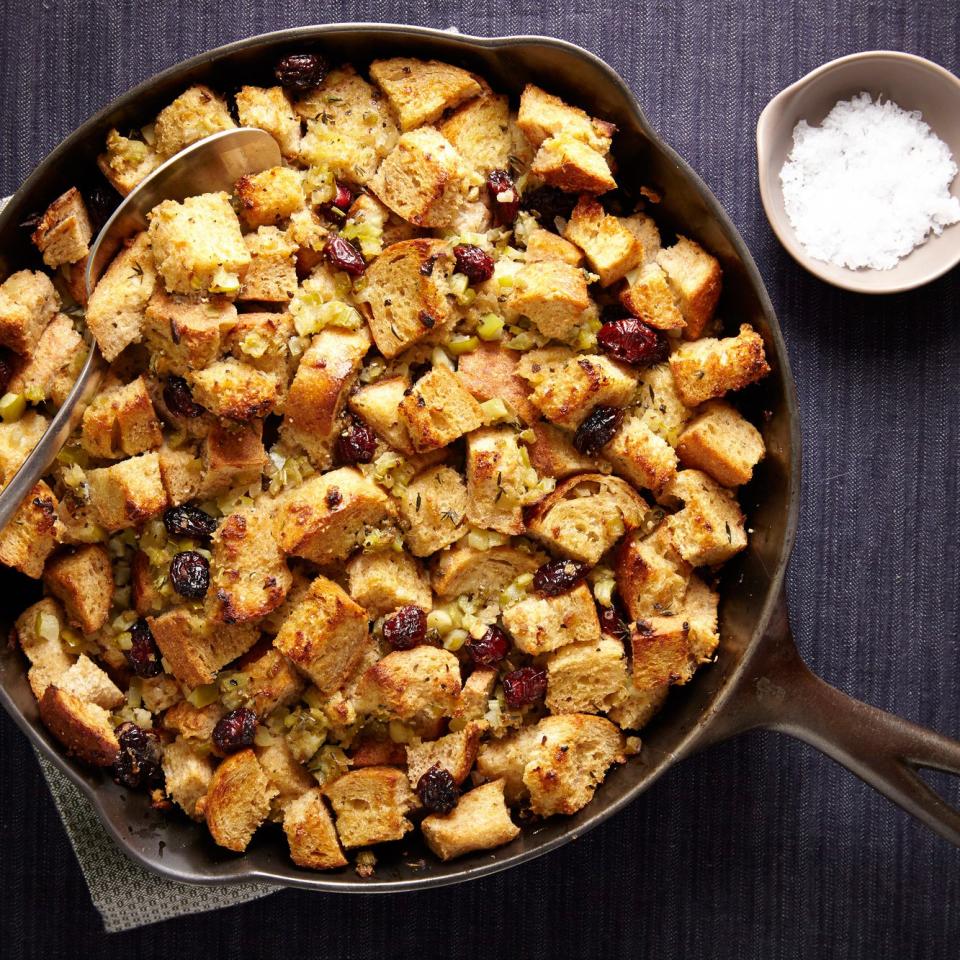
{"points": [[759, 848]]}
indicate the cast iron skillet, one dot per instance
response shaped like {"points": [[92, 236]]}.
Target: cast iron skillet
{"points": [[758, 679]]}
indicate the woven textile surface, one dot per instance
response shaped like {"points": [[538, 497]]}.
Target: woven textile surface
{"points": [[759, 847]]}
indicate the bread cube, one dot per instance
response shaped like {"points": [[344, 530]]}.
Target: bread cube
{"points": [[545, 245], [421, 179], [56, 352], [17, 439], [722, 443], [121, 422], [543, 115], [481, 573], [475, 695], [269, 108], [611, 248], [438, 410], [585, 515], [83, 581], [480, 821], [160, 693], [505, 759], [233, 456], [197, 244], [195, 114], [585, 677], [649, 296], [286, 774], [28, 302], [695, 278], [126, 161], [541, 624], [183, 333], [552, 453], [261, 341], [498, 480], [38, 631], [553, 295], [64, 232], [658, 403], [710, 527], [421, 91], [83, 728], [480, 132], [271, 680], [234, 390], [193, 723], [382, 580], [370, 806], [326, 518], [418, 684], [569, 164], [708, 368], [651, 576], [378, 406], [641, 456], [490, 372], [433, 510], [454, 753], [187, 771], [311, 833], [367, 752], [238, 800], [272, 274], [89, 684], [271, 196], [633, 709], [32, 532], [128, 493]]}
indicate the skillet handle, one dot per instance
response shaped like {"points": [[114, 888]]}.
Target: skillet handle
{"points": [[779, 692]]}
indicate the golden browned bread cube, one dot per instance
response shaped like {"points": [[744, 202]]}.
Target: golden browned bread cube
{"points": [[611, 247], [128, 493], [195, 114], [377, 753], [234, 390], [145, 585], [553, 295], [126, 161], [545, 245], [121, 422], [89, 684], [63, 234], [286, 774], [270, 197], [421, 90], [51, 367], [659, 404], [433, 510], [17, 439], [32, 532], [438, 410], [417, 684], [723, 443], [28, 302], [238, 800], [552, 453], [270, 680], [565, 162], [193, 723], [490, 372], [475, 695], [370, 805], [184, 332], [181, 472], [325, 635], [506, 758], [311, 833], [233, 456], [585, 677], [649, 296], [83, 581], [272, 274], [455, 753], [480, 132], [541, 624], [83, 728], [382, 580], [633, 709], [482, 573], [378, 405], [641, 456], [651, 576], [326, 518], [710, 527], [708, 368], [498, 480], [187, 771], [38, 631], [270, 109], [695, 277], [543, 115], [261, 340], [480, 821]]}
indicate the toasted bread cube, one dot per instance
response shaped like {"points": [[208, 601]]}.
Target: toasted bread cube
{"points": [[261, 341], [83, 728], [545, 245], [83, 581], [433, 510], [721, 442], [272, 274], [64, 232], [455, 753], [569, 164], [651, 576], [271, 680], [160, 693], [270, 197], [586, 514], [367, 752], [710, 527], [144, 585], [700, 607], [128, 493], [325, 519], [695, 277], [325, 635], [238, 800], [181, 473], [197, 244], [585, 677], [553, 295], [37, 377], [568, 760], [88, 683], [611, 248], [233, 456], [184, 332], [420, 91], [659, 404], [28, 302], [193, 723], [17, 439], [234, 390], [127, 161], [543, 115], [475, 695], [641, 456], [541, 624], [480, 821], [633, 709], [38, 630], [552, 453], [378, 405], [649, 296], [187, 771], [505, 759], [438, 410], [490, 372], [311, 833], [370, 805], [32, 532], [327, 372], [421, 179], [121, 422], [645, 229], [286, 774], [498, 480], [195, 114], [708, 368], [481, 573], [422, 683], [480, 132], [270, 109], [382, 580]]}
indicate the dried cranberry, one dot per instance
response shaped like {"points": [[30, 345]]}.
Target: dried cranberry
{"points": [[101, 200], [345, 256], [6, 369], [179, 399], [632, 341], [144, 654], [189, 521], [597, 430], [406, 628], [474, 262], [613, 624], [300, 72], [235, 731], [437, 790], [503, 196], [357, 443], [190, 574], [337, 208], [138, 762], [548, 203], [524, 686], [491, 648], [558, 576]]}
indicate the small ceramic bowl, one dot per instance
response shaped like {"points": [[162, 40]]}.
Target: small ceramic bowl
{"points": [[911, 82]]}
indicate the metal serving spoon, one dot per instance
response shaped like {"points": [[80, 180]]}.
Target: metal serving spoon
{"points": [[207, 166]]}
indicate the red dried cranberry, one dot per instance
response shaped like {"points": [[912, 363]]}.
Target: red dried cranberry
{"points": [[101, 201], [337, 208], [6, 369], [190, 574], [345, 256], [524, 686], [235, 731], [474, 262], [632, 341], [189, 521], [558, 576], [357, 443], [300, 72], [406, 628], [547, 203], [504, 197], [597, 430], [138, 762], [144, 654], [179, 399], [491, 648], [437, 790]]}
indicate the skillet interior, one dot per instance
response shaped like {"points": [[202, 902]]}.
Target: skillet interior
{"points": [[751, 583]]}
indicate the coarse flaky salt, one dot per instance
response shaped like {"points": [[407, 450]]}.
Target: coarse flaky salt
{"points": [[868, 185]]}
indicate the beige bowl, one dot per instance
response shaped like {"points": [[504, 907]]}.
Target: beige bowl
{"points": [[911, 82]]}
